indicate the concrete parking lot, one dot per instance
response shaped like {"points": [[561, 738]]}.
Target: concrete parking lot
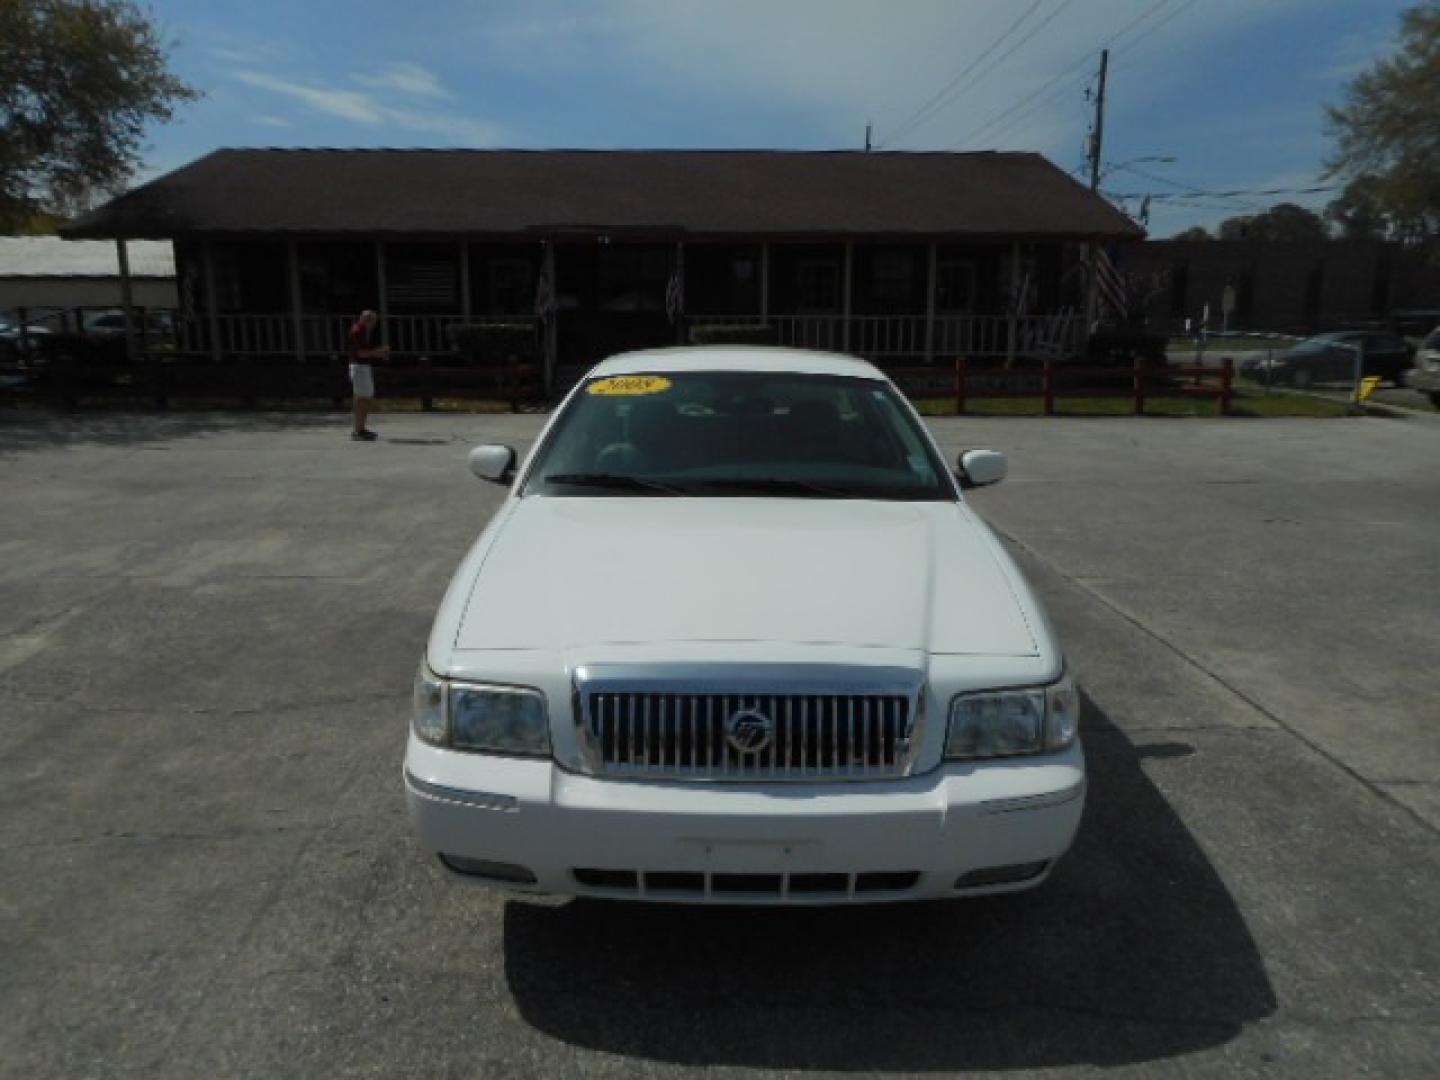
{"points": [[208, 626]]}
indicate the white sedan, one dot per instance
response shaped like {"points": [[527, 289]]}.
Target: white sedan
{"points": [[736, 637]]}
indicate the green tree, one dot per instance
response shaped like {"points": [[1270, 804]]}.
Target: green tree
{"points": [[1282, 223], [1195, 232], [1387, 131], [1358, 213], [79, 81]]}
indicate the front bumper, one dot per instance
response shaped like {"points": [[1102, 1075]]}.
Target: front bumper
{"points": [[813, 843]]}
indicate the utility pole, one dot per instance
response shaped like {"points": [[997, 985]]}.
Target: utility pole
{"points": [[1097, 134], [1097, 139], [867, 136]]}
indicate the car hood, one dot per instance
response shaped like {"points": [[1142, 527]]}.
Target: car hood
{"points": [[563, 573]]}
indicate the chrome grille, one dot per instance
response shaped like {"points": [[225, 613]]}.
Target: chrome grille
{"points": [[754, 728]]}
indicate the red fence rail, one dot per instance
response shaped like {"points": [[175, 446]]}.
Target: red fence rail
{"points": [[71, 375], [1053, 382]]}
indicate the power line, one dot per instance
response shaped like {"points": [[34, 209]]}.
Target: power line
{"points": [[920, 115], [985, 129], [1067, 88], [1189, 204], [1012, 49], [1130, 46], [1129, 167], [1191, 192], [955, 93]]}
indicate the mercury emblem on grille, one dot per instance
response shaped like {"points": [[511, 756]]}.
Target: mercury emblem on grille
{"points": [[748, 731]]}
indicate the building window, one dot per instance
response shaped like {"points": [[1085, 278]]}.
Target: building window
{"points": [[955, 286], [893, 276], [817, 284], [422, 278]]}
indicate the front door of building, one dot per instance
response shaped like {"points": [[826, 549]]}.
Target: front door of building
{"points": [[610, 298]]}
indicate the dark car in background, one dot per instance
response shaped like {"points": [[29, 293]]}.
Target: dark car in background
{"points": [[1425, 375], [1331, 358]]}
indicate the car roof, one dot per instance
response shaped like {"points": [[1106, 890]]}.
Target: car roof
{"points": [[757, 358]]}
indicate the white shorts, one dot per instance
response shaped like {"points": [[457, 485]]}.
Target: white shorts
{"points": [[363, 380]]}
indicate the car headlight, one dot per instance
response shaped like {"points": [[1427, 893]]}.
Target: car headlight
{"points": [[1005, 723], [480, 718], [429, 707]]}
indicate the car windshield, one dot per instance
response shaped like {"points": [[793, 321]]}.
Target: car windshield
{"points": [[728, 434]]}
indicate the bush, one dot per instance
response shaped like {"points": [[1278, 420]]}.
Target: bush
{"points": [[1121, 346]]}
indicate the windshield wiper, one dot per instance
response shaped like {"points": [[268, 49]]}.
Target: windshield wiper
{"points": [[775, 485], [611, 480]]}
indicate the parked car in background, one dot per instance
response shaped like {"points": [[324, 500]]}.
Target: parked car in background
{"points": [[1331, 358], [1425, 375], [736, 637], [154, 325], [15, 341]]}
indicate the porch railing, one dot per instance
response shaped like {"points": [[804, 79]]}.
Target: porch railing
{"points": [[881, 337], [321, 334], [878, 337]]}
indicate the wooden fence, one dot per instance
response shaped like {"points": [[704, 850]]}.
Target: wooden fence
{"points": [[964, 382], [71, 372]]}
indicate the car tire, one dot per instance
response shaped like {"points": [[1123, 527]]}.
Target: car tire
{"points": [[1302, 378]]}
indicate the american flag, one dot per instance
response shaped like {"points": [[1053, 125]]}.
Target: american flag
{"points": [[544, 295], [675, 293], [1110, 286]]}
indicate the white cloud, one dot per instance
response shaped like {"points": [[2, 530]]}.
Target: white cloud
{"points": [[459, 129], [364, 107], [849, 61], [267, 120], [406, 78], [346, 104]]}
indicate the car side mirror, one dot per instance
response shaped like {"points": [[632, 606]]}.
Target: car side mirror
{"points": [[493, 463], [981, 467]]}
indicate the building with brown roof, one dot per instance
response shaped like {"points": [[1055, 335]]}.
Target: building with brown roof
{"points": [[901, 257]]}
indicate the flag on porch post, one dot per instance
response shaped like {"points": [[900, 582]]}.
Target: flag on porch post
{"points": [[544, 295], [1109, 284], [1020, 307], [675, 293]]}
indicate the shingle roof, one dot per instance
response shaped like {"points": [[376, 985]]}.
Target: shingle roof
{"points": [[50, 256], [640, 192]]}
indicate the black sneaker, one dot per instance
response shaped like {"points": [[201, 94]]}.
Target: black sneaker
{"points": [[364, 436]]}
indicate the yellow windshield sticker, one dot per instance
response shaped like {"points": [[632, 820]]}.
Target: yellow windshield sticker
{"points": [[629, 385]]}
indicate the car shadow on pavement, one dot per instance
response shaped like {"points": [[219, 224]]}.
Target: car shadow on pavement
{"points": [[1133, 951]]}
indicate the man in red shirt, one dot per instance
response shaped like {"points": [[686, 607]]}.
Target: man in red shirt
{"points": [[363, 349]]}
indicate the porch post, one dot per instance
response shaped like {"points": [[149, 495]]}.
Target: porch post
{"points": [[680, 285], [1014, 302], [212, 301], [297, 320], [127, 299], [552, 320], [845, 312], [930, 305], [383, 305], [1092, 286], [765, 281], [464, 281]]}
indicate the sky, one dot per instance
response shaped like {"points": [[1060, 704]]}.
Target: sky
{"points": [[1231, 91]]}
